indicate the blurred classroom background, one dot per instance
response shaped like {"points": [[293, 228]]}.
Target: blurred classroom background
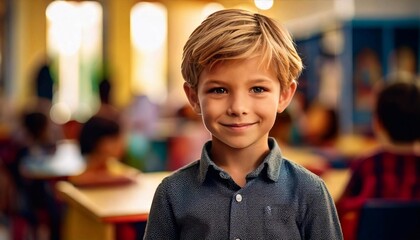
{"points": [[62, 62]]}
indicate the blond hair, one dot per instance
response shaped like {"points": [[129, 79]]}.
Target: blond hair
{"points": [[235, 34]]}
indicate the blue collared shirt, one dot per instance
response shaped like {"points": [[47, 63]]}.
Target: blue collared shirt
{"points": [[281, 200]]}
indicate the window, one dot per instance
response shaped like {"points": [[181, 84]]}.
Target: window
{"points": [[74, 45], [149, 44]]}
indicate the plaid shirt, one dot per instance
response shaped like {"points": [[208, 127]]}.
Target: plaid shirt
{"points": [[382, 175], [281, 200]]}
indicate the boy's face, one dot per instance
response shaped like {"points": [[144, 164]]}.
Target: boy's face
{"points": [[111, 146], [239, 101]]}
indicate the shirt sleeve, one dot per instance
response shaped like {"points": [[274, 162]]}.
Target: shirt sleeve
{"points": [[321, 220], [161, 223]]}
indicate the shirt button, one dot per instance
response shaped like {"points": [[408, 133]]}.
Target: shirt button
{"points": [[223, 175], [238, 197]]}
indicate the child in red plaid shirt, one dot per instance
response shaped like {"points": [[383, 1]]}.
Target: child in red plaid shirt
{"points": [[393, 172]]}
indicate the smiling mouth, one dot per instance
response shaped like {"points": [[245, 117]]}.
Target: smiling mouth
{"points": [[238, 125]]}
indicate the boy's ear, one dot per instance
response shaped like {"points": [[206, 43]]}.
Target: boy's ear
{"points": [[286, 96], [192, 97]]}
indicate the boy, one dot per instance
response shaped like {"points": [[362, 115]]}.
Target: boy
{"points": [[390, 172], [240, 70], [102, 145]]}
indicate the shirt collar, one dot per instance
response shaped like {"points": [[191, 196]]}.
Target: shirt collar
{"points": [[273, 162]]}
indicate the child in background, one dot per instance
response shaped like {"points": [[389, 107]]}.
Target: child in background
{"points": [[240, 70], [41, 207], [392, 172], [102, 144]]}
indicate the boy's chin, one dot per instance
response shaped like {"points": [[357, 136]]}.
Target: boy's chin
{"points": [[238, 143]]}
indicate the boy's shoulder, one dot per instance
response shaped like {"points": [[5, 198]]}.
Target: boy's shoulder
{"points": [[381, 156], [302, 183], [297, 173], [183, 175]]}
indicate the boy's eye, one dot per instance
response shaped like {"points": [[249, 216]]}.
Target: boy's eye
{"points": [[218, 90], [258, 89]]}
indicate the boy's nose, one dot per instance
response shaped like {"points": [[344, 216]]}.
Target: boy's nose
{"points": [[237, 105]]}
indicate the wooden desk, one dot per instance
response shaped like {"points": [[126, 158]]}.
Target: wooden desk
{"points": [[336, 180], [93, 212]]}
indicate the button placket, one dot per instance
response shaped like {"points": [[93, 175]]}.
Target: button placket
{"points": [[238, 215]]}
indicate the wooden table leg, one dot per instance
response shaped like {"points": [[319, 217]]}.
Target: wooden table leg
{"points": [[80, 225]]}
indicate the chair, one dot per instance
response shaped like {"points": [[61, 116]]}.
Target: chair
{"points": [[386, 219]]}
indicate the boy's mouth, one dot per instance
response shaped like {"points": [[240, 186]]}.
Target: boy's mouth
{"points": [[237, 125]]}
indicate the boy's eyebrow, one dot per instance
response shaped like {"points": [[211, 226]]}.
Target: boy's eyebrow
{"points": [[213, 81], [260, 80], [255, 81]]}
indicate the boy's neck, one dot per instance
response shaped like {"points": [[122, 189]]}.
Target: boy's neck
{"points": [[390, 145], [238, 162], [97, 161], [402, 148]]}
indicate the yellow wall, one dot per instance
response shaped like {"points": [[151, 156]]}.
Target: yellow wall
{"points": [[119, 49], [29, 47]]}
